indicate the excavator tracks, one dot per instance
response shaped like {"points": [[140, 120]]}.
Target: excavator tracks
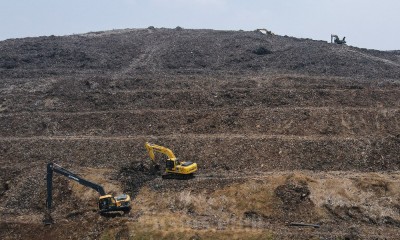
{"points": [[177, 176]]}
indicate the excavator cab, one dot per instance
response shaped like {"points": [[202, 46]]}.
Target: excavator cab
{"points": [[170, 164], [109, 203], [106, 202]]}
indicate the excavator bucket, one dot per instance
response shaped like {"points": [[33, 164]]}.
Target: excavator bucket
{"points": [[155, 168], [48, 220]]}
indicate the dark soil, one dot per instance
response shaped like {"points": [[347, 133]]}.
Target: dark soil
{"points": [[232, 101]]}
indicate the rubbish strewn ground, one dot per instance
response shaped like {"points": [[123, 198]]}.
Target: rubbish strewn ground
{"points": [[283, 130]]}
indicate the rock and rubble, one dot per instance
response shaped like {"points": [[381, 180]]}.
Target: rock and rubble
{"points": [[283, 130]]}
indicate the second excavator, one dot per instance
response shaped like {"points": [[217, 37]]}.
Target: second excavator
{"points": [[336, 39], [174, 168], [106, 203]]}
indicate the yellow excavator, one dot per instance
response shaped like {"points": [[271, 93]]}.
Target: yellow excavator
{"points": [[173, 168], [106, 203]]}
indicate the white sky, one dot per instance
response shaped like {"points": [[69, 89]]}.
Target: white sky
{"points": [[365, 23]]}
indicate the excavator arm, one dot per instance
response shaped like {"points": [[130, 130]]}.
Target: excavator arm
{"points": [[52, 167], [153, 147]]}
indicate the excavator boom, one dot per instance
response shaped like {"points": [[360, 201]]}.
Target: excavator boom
{"points": [[153, 147], [52, 167]]}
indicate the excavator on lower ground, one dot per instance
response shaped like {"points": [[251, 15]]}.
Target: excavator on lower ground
{"points": [[174, 168], [106, 203]]}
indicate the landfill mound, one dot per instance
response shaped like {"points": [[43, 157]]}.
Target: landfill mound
{"points": [[294, 138]]}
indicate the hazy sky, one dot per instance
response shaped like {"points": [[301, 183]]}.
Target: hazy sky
{"points": [[365, 23]]}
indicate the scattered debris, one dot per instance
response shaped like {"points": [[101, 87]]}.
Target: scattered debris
{"points": [[247, 107]]}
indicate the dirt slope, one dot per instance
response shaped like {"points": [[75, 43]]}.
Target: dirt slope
{"points": [[283, 130]]}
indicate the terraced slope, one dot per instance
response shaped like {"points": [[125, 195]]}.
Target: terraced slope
{"points": [[250, 109]]}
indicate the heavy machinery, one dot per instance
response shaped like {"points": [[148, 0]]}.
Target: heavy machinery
{"points": [[264, 31], [106, 202], [173, 167], [336, 39]]}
